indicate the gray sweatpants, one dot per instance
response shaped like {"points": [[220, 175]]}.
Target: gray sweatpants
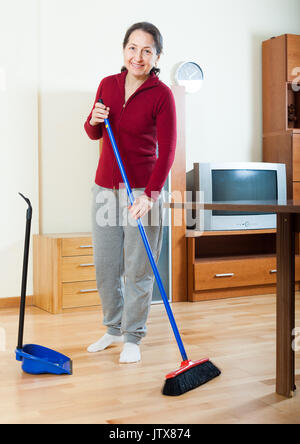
{"points": [[123, 271]]}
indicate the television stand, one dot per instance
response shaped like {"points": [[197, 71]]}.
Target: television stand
{"points": [[223, 264]]}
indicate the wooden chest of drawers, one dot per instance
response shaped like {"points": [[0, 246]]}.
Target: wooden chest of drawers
{"points": [[63, 272]]}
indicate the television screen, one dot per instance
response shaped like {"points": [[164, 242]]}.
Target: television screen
{"points": [[237, 185]]}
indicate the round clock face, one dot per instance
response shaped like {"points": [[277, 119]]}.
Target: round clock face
{"points": [[190, 75]]}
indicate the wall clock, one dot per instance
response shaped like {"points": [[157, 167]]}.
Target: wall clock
{"points": [[190, 75]]}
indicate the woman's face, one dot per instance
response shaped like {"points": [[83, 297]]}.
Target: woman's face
{"points": [[140, 54]]}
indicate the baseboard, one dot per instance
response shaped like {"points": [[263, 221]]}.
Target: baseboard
{"points": [[14, 302]]}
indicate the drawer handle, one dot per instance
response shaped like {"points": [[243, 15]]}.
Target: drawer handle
{"points": [[88, 290], [86, 265], [86, 246], [224, 275], [273, 271]]}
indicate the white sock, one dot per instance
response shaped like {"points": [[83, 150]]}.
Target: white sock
{"points": [[104, 342], [131, 353]]}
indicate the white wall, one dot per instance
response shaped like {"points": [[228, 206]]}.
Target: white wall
{"points": [[18, 137], [79, 43]]}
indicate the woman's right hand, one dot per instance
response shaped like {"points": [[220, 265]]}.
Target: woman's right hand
{"points": [[100, 112]]}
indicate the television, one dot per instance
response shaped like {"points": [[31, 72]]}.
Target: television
{"points": [[234, 181]]}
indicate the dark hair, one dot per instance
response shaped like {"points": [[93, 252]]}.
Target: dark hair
{"points": [[157, 37]]}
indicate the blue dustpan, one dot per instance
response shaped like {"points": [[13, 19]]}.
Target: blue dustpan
{"points": [[35, 358]]}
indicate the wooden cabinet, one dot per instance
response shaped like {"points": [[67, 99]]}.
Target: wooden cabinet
{"points": [[232, 263], [281, 106], [64, 272]]}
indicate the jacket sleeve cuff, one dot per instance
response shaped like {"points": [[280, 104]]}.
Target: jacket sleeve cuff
{"points": [[94, 132], [153, 195]]}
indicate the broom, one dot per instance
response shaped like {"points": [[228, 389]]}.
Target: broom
{"points": [[191, 374]]}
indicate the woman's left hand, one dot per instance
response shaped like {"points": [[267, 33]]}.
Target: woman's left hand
{"points": [[140, 206]]}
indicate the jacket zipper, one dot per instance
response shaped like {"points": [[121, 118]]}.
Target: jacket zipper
{"points": [[122, 113], [123, 109]]}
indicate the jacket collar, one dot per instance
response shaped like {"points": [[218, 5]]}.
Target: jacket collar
{"points": [[152, 81]]}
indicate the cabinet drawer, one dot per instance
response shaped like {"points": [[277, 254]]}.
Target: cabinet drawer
{"points": [[78, 268], [80, 294], [77, 246], [234, 273], [296, 157]]}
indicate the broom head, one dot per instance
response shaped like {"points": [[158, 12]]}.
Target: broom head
{"points": [[190, 375]]}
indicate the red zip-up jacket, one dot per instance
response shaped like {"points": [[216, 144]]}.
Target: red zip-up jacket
{"points": [[148, 118]]}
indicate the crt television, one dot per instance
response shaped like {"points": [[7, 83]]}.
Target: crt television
{"points": [[235, 181]]}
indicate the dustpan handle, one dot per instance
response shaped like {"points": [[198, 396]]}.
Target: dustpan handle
{"points": [[24, 273], [146, 243]]}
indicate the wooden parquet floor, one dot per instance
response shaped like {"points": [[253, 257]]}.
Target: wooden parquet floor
{"points": [[237, 334]]}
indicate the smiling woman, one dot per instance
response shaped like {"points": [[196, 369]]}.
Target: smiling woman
{"points": [[142, 115]]}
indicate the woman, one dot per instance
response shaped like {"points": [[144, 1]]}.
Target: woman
{"points": [[141, 112]]}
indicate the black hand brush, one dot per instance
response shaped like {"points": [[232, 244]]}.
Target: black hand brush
{"points": [[191, 374]]}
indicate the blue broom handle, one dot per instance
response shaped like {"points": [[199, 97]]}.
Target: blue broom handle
{"points": [[146, 243]]}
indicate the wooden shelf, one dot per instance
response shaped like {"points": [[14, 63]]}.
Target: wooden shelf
{"points": [[194, 233], [293, 105]]}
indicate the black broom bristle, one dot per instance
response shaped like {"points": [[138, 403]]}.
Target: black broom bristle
{"points": [[190, 379]]}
